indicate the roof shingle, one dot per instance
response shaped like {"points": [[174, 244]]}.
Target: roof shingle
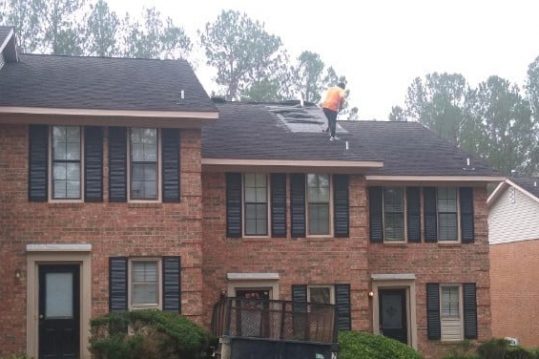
{"points": [[71, 82], [530, 184]]}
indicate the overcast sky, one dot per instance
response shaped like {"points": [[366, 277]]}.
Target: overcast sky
{"points": [[381, 45]]}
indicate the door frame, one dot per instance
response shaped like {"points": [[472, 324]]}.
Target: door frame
{"points": [[404, 306], [33, 260], [408, 285]]}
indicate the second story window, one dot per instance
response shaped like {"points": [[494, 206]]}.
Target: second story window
{"points": [[318, 204], [66, 162], [255, 188], [393, 214], [446, 203], [144, 155]]}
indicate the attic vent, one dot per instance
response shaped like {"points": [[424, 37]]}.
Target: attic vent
{"points": [[302, 119]]}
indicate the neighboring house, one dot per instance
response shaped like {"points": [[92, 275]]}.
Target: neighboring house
{"points": [[123, 186], [514, 259]]}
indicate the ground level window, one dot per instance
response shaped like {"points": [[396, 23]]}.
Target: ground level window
{"points": [[144, 288], [451, 313]]}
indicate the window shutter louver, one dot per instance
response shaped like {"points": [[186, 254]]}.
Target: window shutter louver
{"points": [[375, 215], [297, 204], [434, 331], [470, 310], [341, 205], [278, 205], [93, 164], [431, 225], [466, 215], [233, 205], [342, 307], [38, 163], [172, 284], [117, 164], [299, 310], [414, 214], [117, 284], [171, 164]]}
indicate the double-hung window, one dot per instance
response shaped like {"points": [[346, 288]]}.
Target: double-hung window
{"points": [[66, 162], [318, 204], [320, 294], [144, 286], [446, 204], [255, 187], [393, 210], [450, 313], [144, 155]]}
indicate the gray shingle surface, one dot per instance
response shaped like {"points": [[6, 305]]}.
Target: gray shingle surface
{"points": [[102, 83], [4, 31], [250, 131], [530, 184]]}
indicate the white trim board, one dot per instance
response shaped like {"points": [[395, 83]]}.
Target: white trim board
{"points": [[6, 41], [83, 247], [252, 276], [491, 200]]}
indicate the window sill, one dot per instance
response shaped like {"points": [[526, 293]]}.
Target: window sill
{"points": [[449, 244], [66, 204], [143, 204]]}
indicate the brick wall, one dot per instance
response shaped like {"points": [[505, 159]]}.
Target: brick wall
{"points": [[514, 278], [112, 229]]}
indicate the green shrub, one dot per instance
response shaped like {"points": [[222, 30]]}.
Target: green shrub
{"points": [[147, 334], [462, 350], [16, 356], [500, 349], [353, 345]]}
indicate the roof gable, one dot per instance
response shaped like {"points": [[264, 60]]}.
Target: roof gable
{"points": [[527, 185]]}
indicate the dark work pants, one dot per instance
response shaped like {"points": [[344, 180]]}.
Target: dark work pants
{"points": [[332, 120]]}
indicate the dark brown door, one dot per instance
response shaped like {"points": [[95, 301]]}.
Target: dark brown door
{"points": [[393, 317], [59, 314], [253, 312]]}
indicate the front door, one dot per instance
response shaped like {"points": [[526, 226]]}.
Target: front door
{"points": [[253, 312], [393, 323], [59, 312]]}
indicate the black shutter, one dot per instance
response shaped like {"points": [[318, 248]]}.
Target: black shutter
{"points": [[172, 284], [117, 284], [278, 205], [93, 164], [297, 204], [470, 310], [117, 164], [233, 205], [38, 163], [466, 215], [414, 214], [343, 318], [171, 164], [375, 215], [299, 311], [341, 205], [434, 331], [431, 225]]}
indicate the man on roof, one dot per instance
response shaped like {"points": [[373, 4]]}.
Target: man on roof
{"points": [[332, 104]]}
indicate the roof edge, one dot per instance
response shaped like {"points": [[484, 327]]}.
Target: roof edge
{"points": [[229, 162], [493, 198], [203, 115], [478, 179]]}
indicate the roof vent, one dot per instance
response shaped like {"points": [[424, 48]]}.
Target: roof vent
{"points": [[535, 183], [468, 165], [347, 145]]}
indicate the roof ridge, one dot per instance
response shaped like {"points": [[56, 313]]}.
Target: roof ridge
{"points": [[105, 57]]}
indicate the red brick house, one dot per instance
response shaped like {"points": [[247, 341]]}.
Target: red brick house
{"points": [[124, 186], [514, 251]]}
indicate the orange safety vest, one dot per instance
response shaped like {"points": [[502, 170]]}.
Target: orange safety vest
{"points": [[334, 99]]}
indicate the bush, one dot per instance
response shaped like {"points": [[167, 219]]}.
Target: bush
{"points": [[463, 350], [147, 334], [353, 345], [500, 349], [16, 356]]}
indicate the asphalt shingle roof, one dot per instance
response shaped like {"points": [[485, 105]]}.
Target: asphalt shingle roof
{"points": [[71, 82], [530, 184], [251, 131], [4, 31]]}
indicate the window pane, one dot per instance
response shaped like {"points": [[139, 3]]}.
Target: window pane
{"points": [[144, 180], [318, 188], [447, 200], [393, 199], [60, 189], [144, 282], [66, 154], [394, 214], [320, 295], [137, 152], [59, 295], [73, 151], [60, 171], [318, 218], [450, 302], [256, 219], [447, 227]]}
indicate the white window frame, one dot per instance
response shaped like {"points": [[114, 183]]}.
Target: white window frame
{"points": [[404, 213], [159, 198], [268, 202], [331, 292], [330, 212], [50, 163], [459, 319], [159, 304], [459, 239]]}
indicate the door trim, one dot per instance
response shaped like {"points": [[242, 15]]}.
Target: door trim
{"points": [[409, 287], [33, 260]]}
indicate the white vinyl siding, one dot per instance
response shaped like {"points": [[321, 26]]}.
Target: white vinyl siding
{"points": [[513, 217]]}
